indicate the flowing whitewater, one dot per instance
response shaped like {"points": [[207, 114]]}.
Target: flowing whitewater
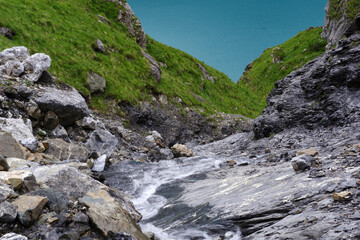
{"points": [[157, 188]]}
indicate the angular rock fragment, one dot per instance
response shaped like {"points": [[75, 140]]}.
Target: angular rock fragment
{"points": [[206, 73], [100, 46], [9, 147], [180, 150], [154, 66], [7, 212], [102, 141], [20, 131], [99, 164], [96, 83], [108, 215], [91, 123], [66, 151], [35, 65], [68, 105], [29, 208]]}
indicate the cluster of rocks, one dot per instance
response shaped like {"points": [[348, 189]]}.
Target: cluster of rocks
{"points": [[52, 150]]}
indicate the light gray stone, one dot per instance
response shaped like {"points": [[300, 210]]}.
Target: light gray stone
{"points": [[13, 68], [14, 53], [99, 164], [35, 65], [102, 141], [60, 132], [7, 212], [13, 236], [96, 82], [20, 131], [91, 123], [100, 46], [206, 73]]}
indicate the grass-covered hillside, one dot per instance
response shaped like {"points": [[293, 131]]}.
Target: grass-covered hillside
{"points": [[66, 30], [337, 8], [277, 62]]}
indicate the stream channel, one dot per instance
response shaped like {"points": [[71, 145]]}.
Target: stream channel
{"points": [[157, 190]]}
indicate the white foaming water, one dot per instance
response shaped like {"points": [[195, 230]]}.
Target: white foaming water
{"points": [[146, 180]]}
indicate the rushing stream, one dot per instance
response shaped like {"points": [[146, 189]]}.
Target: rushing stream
{"points": [[157, 188]]}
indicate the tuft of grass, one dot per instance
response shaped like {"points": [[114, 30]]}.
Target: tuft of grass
{"points": [[263, 73]]}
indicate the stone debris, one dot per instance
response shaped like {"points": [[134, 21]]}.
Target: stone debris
{"points": [[180, 150]]}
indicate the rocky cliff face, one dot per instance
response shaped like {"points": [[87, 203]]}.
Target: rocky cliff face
{"points": [[342, 19]]}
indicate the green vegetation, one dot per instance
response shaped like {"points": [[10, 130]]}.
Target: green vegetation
{"points": [[337, 7], [66, 30], [296, 52]]}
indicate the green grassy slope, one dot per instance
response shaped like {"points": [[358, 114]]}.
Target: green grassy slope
{"points": [[66, 30], [295, 52]]}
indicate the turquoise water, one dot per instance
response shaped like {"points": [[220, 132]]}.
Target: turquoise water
{"points": [[227, 34]]}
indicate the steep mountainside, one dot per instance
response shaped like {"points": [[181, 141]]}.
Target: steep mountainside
{"points": [[277, 62], [104, 37]]}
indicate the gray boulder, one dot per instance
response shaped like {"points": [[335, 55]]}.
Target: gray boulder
{"points": [[13, 236], [14, 53], [96, 83], [99, 164], [67, 151], [154, 66], [7, 212], [60, 132], [206, 73], [68, 104], [20, 131], [6, 192], [100, 46], [7, 32], [301, 163], [102, 141], [9, 147], [35, 65]]}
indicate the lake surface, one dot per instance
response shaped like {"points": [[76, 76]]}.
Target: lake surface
{"points": [[227, 34]]}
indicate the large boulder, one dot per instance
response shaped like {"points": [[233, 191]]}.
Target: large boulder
{"points": [[96, 83], [21, 131], [67, 151], [35, 65], [108, 215], [67, 104], [29, 208], [102, 141]]}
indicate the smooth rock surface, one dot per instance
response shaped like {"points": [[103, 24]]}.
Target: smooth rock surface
{"points": [[99, 164]]}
